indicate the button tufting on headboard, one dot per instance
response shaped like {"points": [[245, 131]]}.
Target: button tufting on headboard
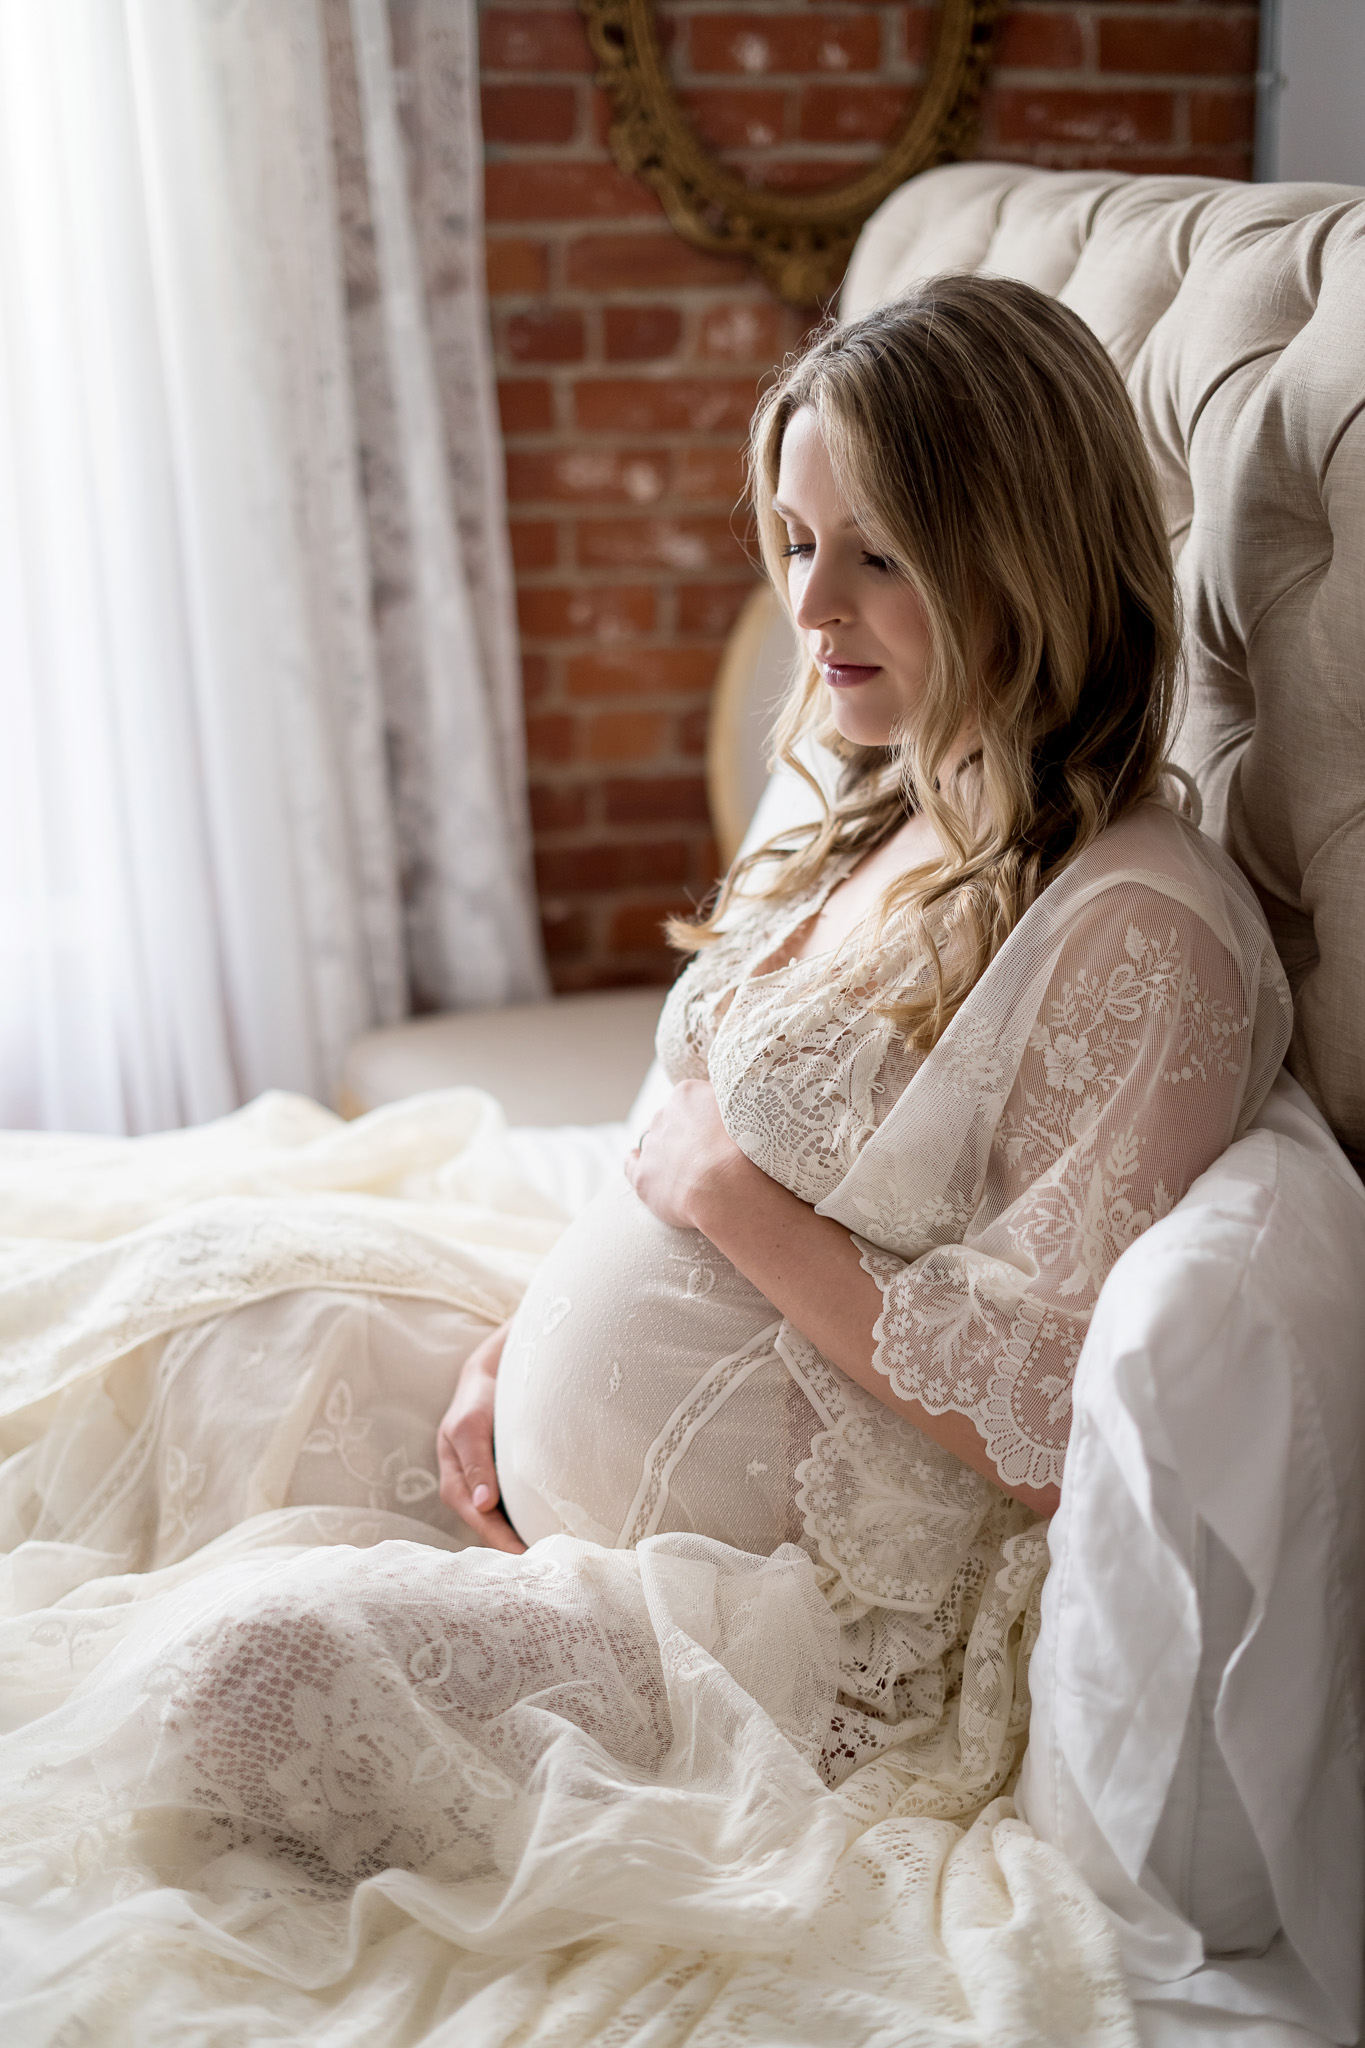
{"points": [[1237, 314]]}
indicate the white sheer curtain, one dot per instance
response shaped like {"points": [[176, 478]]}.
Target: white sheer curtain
{"points": [[199, 885]]}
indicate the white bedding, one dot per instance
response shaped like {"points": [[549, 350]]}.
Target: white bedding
{"points": [[437, 1183]]}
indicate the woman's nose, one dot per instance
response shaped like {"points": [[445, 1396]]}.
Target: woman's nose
{"points": [[820, 600]]}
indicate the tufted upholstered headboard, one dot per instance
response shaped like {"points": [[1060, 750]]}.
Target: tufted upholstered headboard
{"points": [[1237, 315]]}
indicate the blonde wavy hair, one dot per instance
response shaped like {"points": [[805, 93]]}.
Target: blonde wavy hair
{"points": [[988, 449]]}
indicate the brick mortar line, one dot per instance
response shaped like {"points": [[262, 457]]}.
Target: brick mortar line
{"points": [[1154, 12], [614, 440], [693, 833], [539, 508], [848, 12], [560, 155], [901, 70], [595, 226], [844, 11], [516, 303], [567, 512], [1123, 81], [614, 650], [624, 508], [1080, 75], [667, 506], [564, 778], [1075, 76], [886, 71], [527, 370], [561, 783], [559, 842], [644, 441], [1079, 83], [855, 155], [586, 226], [622, 650], [596, 445], [605, 579], [500, 154], [551, 578], [678, 705]]}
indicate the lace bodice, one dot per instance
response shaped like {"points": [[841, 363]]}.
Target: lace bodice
{"points": [[1124, 1035], [803, 1063]]}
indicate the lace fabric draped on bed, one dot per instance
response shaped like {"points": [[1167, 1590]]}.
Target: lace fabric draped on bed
{"points": [[277, 1742]]}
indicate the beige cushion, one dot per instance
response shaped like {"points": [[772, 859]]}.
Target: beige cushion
{"points": [[1237, 314], [576, 1060]]}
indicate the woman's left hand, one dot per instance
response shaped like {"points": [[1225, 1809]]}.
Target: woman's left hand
{"points": [[685, 1157]]}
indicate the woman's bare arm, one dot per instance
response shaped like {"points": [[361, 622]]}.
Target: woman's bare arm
{"points": [[691, 1173]]}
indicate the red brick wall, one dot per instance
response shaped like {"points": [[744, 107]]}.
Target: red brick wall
{"points": [[629, 363]]}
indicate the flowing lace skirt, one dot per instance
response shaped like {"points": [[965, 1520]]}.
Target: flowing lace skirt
{"points": [[283, 1758]]}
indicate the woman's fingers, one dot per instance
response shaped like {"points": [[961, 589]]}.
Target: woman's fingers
{"points": [[472, 1443], [464, 1441], [489, 1524], [462, 1469], [469, 1481]]}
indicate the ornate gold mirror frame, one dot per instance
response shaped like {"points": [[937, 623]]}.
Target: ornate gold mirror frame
{"points": [[800, 241]]}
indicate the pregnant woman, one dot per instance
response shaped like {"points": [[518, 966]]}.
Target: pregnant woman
{"points": [[936, 1061], [782, 1415]]}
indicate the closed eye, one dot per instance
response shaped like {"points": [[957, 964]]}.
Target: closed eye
{"points": [[807, 547]]}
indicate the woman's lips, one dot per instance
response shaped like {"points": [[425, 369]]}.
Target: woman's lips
{"points": [[846, 675]]}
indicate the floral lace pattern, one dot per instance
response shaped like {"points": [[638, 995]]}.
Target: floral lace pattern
{"points": [[1127, 1083]]}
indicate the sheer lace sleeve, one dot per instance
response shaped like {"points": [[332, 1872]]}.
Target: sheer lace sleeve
{"points": [[1127, 1081]]}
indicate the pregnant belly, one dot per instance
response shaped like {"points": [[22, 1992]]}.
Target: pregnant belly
{"points": [[641, 1389]]}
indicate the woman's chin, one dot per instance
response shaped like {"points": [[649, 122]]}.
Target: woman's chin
{"points": [[865, 725]]}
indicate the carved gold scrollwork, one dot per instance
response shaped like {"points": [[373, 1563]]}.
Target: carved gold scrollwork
{"points": [[800, 241]]}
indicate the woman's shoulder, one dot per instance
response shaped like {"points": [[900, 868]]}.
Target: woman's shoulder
{"points": [[1151, 834], [1153, 850]]}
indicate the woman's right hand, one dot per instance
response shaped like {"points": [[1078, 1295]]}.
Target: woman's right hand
{"points": [[464, 1448]]}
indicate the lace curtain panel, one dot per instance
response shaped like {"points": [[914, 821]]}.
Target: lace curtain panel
{"points": [[261, 784]]}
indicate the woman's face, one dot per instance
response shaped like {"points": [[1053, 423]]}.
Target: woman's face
{"points": [[864, 625]]}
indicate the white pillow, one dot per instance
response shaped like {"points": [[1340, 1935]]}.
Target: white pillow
{"points": [[1194, 1746], [1205, 1858]]}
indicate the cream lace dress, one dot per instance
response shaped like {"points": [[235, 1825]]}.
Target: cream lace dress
{"points": [[1109, 1055], [718, 1760]]}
